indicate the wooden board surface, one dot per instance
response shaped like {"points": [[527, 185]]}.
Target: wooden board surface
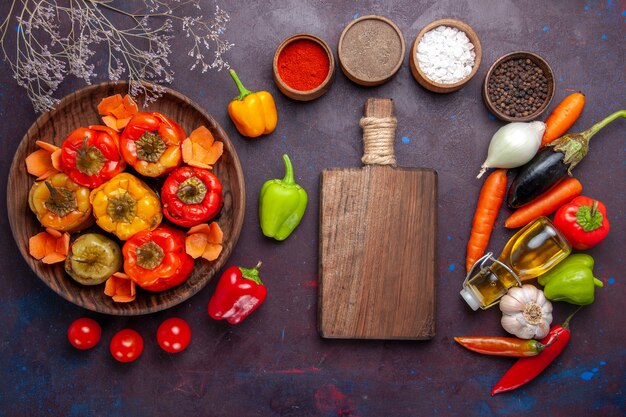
{"points": [[378, 231]]}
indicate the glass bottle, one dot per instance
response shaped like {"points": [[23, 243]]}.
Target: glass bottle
{"points": [[530, 252]]}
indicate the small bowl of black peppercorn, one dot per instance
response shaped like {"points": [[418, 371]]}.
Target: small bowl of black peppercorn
{"points": [[518, 87]]}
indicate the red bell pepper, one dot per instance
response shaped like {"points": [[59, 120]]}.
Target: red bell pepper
{"points": [[90, 155], [527, 368], [191, 196], [156, 259], [583, 221], [151, 143], [239, 292]]}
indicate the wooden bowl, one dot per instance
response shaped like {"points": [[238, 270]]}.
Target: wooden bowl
{"points": [[358, 60], [547, 70], [309, 94], [426, 82], [79, 109]]}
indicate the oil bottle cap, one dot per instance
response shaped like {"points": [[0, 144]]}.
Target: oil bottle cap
{"points": [[470, 298]]}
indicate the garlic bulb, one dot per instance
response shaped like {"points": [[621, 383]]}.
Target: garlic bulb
{"points": [[526, 312]]}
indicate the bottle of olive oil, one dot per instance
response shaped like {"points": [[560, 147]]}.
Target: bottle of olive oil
{"points": [[530, 252]]}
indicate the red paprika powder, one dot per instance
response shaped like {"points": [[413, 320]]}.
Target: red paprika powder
{"points": [[303, 65]]}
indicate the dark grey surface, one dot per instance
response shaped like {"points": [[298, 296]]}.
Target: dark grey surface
{"points": [[274, 364]]}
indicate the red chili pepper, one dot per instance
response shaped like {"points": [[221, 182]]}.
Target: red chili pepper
{"points": [[526, 369], [191, 196], [501, 346], [156, 259], [239, 292], [583, 221], [90, 155]]}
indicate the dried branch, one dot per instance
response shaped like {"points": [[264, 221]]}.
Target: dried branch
{"points": [[56, 38]]}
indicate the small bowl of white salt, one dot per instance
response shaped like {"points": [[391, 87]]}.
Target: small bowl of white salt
{"points": [[445, 55]]}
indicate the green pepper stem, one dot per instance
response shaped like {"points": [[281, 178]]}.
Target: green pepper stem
{"points": [[596, 128], [288, 179], [243, 91], [542, 346], [594, 208], [565, 324], [252, 273], [53, 192]]}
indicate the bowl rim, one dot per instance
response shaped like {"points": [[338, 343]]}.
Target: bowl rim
{"points": [[457, 24], [319, 41], [539, 60], [396, 68], [44, 118]]}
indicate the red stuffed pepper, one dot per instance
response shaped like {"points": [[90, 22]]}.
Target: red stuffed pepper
{"points": [[156, 260], [239, 292], [191, 196], [151, 143], [90, 155]]}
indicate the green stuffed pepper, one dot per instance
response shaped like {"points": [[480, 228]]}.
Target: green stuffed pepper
{"points": [[571, 280]]}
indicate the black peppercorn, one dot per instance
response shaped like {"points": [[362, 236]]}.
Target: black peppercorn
{"points": [[518, 87]]}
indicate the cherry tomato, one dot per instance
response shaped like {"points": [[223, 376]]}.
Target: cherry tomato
{"points": [[174, 335], [84, 333], [126, 345]]}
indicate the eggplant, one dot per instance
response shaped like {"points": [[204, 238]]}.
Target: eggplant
{"points": [[553, 164], [540, 174]]}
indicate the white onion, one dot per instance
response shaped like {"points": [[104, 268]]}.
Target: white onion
{"points": [[513, 145]]}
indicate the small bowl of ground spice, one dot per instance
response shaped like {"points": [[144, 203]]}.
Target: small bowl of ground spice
{"points": [[304, 67], [445, 55], [371, 50], [518, 87]]}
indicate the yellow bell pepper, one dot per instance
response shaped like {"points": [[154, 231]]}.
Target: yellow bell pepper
{"points": [[124, 205], [253, 113], [61, 204]]}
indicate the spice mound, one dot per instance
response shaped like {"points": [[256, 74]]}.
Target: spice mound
{"points": [[446, 55], [371, 50], [303, 65], [518, 87]]}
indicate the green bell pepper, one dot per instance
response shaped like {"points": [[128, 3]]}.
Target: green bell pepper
{"points": [[571, 280], [281, 204]]}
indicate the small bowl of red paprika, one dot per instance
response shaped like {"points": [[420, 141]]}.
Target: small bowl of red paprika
{"points": [[304, 67]]}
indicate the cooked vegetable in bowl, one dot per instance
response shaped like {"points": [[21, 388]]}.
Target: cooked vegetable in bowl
{"points": [[119, 211]]}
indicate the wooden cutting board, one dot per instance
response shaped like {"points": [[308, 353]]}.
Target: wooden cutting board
{"points": [[378, 233]]}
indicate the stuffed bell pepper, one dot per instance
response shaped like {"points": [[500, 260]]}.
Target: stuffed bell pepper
{"points": [[156, 259], [125, 205], [60, 203], [90, 155], [151, 143], [191, 196]]}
